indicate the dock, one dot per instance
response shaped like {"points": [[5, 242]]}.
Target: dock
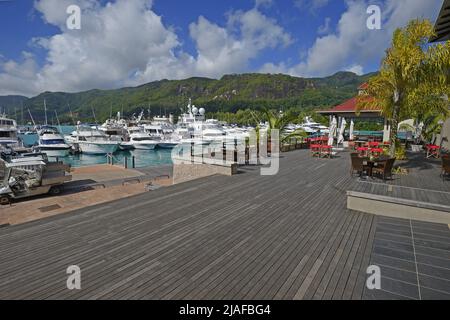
{"points": [[288, 236], [89, 186]]}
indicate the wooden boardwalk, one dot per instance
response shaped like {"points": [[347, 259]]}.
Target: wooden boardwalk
{"points": [[287, 236]]}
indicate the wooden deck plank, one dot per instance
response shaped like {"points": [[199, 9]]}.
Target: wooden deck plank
{"points": [[287, 236]]}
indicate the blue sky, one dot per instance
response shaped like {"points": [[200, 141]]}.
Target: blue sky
{"points": [[130, 42]]}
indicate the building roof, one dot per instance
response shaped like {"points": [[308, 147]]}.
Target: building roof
{"points": [[442, 27], [348, 106], [364, 86]]}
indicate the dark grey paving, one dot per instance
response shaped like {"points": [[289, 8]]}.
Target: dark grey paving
{"points": [[413, 265]]}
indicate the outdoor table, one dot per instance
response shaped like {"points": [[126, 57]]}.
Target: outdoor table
{"points": [[433, 151], [373, 163]]}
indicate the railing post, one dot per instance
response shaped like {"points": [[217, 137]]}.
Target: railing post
{"points": [[125, 162], [224, 151], [133, 162], [247, 151], [235, 150]]}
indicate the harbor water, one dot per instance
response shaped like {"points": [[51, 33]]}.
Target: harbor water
{"points": [[143, 158]]}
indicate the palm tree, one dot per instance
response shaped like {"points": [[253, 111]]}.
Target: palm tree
{"points": [[279, 121], [412, 79]]}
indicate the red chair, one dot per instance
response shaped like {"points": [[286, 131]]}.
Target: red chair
{"points": [[376, 152], [326, 151], [433, 151], [315, 150], [363, 151], [374, 144]]}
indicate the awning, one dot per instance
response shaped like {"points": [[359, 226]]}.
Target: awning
{"points": [[442, 27]]}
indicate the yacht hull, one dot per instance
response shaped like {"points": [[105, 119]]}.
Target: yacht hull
{"points": [[126, 146], [142, 146], [55, 152], [97, 148], [167, 145]]}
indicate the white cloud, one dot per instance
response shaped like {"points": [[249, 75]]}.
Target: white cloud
{"points": [[263, 3], [126, 43], [220, 50], [352, 43], [311, 5], [325, 28], [358, 69]]}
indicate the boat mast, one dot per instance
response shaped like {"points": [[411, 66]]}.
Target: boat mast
{"points": [[57, 119], [32, 119], [93, 112], [45, 111]]}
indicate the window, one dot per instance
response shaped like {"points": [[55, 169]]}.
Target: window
{"points": [[52, 141]]}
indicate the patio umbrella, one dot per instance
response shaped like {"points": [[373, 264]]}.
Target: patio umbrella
{"points": [[332, 133], [386, 133], [342, 131], [352, 129]]}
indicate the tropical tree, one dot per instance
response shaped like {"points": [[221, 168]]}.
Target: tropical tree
{"points": [[280, 121], [413, 78]]}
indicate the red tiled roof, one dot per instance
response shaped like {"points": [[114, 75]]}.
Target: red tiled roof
{"points": [[364, 86], [347, 106]]}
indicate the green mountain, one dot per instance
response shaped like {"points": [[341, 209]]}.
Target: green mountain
{"points": [[228, 94]]}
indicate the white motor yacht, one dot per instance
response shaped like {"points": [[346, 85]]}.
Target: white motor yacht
{"points": [[92, 141], [143, 141], [52, 142], [8, 133], [310, 126]]}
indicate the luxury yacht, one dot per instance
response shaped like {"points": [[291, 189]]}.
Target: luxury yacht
{"points": [[143, 141], [8, 133], [52, 142], [92, 141], [310, 126]]}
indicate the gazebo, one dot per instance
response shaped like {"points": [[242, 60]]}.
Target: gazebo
{"points": [[348, 111]]}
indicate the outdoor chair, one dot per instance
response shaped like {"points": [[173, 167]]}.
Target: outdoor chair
{"points": [[315, 150], [326, 152], [358, 164], [433, 151], [384, 169], [363, 151], [445, 166], [376, 152]]}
